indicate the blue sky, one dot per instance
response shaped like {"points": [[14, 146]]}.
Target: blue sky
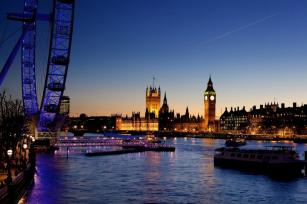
{"points": [[255, 50]]}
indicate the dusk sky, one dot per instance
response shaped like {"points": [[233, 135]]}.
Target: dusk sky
{"points": [[255, 51]]}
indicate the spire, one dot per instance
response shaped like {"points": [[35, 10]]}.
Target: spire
{"points": [[165, 99], [210, 85], [210, 81], [187, 111], [153, 82]]}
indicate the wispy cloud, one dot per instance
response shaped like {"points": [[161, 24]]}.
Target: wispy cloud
{"points": [[228, 33]]}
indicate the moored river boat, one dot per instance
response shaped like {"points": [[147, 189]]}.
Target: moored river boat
{"points": [[274, 160]]}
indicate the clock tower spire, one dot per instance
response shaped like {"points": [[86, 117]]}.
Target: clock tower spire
{"points": [[209, 107]]}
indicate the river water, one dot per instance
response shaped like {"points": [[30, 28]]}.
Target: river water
{"points": [[184, 176]]}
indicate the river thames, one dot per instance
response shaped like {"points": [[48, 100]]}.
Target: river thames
{"points": [[184, 176]]}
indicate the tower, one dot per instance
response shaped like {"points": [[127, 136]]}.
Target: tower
{"points": [[165, 116], [164, 107], [209, 107], [153, 99]]}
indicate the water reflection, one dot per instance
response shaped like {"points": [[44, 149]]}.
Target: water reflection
{"points": [[184, 176]]}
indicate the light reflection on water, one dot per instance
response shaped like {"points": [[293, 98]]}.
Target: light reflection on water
{"points": [[185, 176]]}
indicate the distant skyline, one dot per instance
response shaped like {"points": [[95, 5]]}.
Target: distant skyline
{"points": [[255, 51]]}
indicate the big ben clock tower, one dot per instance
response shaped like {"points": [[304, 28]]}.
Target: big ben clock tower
{"points": [[209, 105]]}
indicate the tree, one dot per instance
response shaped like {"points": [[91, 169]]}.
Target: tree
{"points": [[12, 122]]}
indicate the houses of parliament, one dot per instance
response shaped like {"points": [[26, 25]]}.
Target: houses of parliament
{"points": [[162, 118], [269, 119]]}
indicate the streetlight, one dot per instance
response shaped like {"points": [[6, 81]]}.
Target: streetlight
{"points": [[9, 175], [25, 146], [9, 153]]}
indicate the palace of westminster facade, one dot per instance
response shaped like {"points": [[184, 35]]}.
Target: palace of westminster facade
{"points": [[161, 118], [271, 118]]}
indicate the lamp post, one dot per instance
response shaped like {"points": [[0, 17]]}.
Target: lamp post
{"points": [[24, 161], [9, 174]]}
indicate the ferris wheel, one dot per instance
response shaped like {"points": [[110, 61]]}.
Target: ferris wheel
{"points": [[61, 20]]}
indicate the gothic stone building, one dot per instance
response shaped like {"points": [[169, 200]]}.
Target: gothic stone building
{"points": [[168, 121], [153, 99], [136, 123], [210, 123], [185, 123], [163, 119]]}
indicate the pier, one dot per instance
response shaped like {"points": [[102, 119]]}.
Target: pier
{"points": [[87, 141], [133, 149], [128, 145]]}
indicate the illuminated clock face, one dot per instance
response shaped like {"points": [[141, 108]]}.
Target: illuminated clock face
{"points": [[211, 98], [206, 97]]}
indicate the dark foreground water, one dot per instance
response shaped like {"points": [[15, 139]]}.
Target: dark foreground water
{"points": [[185, 176]]}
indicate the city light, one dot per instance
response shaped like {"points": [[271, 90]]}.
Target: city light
{"points": [[25, 146], [9, 152]]}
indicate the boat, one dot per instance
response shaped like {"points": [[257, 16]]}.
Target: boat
{"points": [[235, 142], [274, 160], [152, 138], [160, 148], [300, 139], [151, 147], [113, 152]]}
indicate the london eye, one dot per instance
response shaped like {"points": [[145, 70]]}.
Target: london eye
{"points": [[60, 18]]}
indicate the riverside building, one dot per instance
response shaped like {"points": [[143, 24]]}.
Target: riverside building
{"points": [[271, 118]]}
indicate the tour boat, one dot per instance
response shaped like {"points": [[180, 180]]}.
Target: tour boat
{"points": [[235, 142], [274, 160]]}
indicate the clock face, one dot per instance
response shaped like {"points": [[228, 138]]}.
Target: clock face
{"points": [[211, 98], [206, 97]]}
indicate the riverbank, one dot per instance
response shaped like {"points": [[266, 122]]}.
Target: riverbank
{"points": [[13, 191], [172, 134], [226, 136]]}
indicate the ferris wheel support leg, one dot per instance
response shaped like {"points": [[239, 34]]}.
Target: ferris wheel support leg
{"points": [[10, 59]]}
